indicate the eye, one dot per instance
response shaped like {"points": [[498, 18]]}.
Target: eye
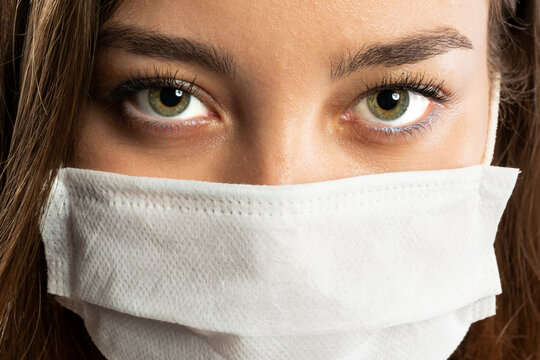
{"points": [[168, 103], [391, 108]]}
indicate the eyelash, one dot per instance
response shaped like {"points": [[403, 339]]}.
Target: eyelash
{"points": [[413, 82], [141, 81], [432, 88]]}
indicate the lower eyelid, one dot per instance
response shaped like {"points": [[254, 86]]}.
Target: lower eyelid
{"points": [[390, 134], [163, 128], [414, 129], [404, 132]]}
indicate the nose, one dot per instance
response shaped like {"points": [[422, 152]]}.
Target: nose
{"points": [[275, 151]]}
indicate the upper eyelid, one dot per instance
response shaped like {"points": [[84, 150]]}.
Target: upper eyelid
{"points": [[416, 82], [135, 85], [139, 84], [428, 92], [154, 76]]}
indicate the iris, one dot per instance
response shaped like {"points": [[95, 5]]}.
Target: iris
{"points": [[388, 104], [168, 101]]}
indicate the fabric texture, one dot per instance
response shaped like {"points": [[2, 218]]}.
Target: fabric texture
{"points": [[386, 266]]}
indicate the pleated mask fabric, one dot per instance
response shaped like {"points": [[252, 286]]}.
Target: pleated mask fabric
{"points": [[385, 266]]}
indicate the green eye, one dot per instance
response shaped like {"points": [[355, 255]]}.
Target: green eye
{"points": [[388, 105], [168, 101]]}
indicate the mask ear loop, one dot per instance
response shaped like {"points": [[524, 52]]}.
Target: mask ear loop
{"points": [[493, 120]]}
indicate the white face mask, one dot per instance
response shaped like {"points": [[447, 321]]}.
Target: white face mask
{"points": [[387, 266]]}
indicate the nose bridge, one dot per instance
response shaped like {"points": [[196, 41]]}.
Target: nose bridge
{"points": [[282, 134], [272, 153], [283, 146]]}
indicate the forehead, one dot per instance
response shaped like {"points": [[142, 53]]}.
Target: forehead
{"points": [[279, 27]]}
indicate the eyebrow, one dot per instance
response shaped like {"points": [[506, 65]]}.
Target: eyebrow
{"points": [[149, 43], [407, 50]]}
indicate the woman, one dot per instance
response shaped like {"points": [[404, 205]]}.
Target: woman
{"points": [[277, 94]]}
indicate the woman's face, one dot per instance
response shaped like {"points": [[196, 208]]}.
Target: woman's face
{"points": [[287, 91]]}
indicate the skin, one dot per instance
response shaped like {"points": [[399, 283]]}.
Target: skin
{"points": [[278, 120]]}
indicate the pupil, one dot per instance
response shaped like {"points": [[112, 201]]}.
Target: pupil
{"points": [[388, 99], [170, 96]]}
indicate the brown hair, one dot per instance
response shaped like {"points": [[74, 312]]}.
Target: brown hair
{"points": [[514, 333], [46, 58]]}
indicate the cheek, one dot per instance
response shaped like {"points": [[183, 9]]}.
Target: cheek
{"points": [[466, 140], [453, 141], [107, 144]]}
